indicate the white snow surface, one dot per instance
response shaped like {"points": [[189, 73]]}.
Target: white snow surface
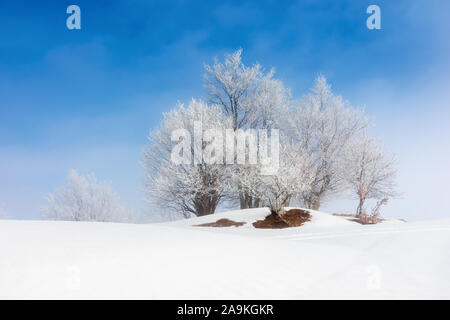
{"points": [[328, 257]]}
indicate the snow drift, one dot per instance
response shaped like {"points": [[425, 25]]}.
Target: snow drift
{"points": [[328, 257]]}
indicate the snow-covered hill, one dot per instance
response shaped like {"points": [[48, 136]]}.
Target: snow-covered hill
{"points": [[328, 257]]}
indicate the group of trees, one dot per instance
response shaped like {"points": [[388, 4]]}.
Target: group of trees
{"points": [[205, 154], [324, 147]]}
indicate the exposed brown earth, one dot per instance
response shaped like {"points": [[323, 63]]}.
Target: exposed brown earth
{"points": [[222, 223], [291, 218]]}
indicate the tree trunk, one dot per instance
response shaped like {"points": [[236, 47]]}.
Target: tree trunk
{"points": [[312, 202], [247, 201], [206, 204], [316, 204], [360, 208], [242, 200]]}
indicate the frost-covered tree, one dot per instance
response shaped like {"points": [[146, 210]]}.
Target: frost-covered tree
{"points": [[184, 169], [370, 174], [85, 199], [323, 125], [293, 177], [252, 98]]}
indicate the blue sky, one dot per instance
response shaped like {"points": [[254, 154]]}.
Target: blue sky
{"points": [[86, 99]]}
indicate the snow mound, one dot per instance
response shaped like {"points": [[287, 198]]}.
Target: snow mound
{"points": [[318, 219], [328, 257]]}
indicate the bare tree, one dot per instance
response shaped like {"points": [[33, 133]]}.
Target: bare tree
{"points": [[370, 173], [323, 125], [84, 199]]}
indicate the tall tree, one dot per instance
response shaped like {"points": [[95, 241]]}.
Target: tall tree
{"points": [[182, 178], [252, 99], [323, 125]]}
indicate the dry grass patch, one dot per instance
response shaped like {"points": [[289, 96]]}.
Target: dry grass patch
{"points": [[362, 219], [367, 219], [222, 223]]}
